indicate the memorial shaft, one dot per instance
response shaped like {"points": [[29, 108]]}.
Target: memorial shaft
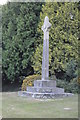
{"points": [[45, 59]]}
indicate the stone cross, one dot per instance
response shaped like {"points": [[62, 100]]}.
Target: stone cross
{"points": [[45, 60]]}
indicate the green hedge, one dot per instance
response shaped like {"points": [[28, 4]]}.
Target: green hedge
{"points": [[71, 86]]}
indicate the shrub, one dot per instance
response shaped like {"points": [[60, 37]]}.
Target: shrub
{"points": [[62, 84], [71, 86], [71, 70], [28, 81], [79, 80]]}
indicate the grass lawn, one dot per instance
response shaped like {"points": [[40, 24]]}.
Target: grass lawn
{"points": [[23, 107]]}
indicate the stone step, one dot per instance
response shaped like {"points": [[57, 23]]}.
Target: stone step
{"points": [[44, 83], [43, 95], [45, 90]]}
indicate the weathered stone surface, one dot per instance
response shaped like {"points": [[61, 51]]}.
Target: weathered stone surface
{"points": [[43, 95], [44, 83], [45, 60], [54, 90], [45, 89]]}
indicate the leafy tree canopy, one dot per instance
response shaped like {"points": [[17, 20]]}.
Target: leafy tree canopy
{"points": [[19, 33], [63, 41]]}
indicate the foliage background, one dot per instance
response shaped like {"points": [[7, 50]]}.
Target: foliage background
{"points": [[63, 42], [22, 40], [19, 23]]}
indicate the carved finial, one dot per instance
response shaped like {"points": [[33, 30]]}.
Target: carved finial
{"points": [[46, 24]]}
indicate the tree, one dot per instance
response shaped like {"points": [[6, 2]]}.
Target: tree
{"points": [[19, 24], [63, 34], [79, 45]]}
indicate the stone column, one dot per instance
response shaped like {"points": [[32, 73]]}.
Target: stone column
{"points": [[45, 60]]}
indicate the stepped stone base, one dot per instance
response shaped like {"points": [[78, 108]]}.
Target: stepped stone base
{"points": [[43, 95], [48, 90], [44, 89]]}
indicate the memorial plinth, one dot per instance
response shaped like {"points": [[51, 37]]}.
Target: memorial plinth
{"points": [[45, 86], [45, 89]]}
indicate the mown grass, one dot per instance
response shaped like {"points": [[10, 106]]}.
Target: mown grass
{"points": [[23, 107]]}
